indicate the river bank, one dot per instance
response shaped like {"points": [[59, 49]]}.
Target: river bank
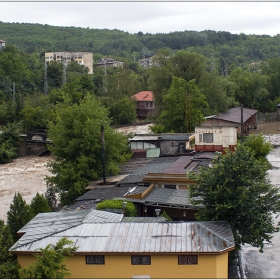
{"points": [[26, 175]]}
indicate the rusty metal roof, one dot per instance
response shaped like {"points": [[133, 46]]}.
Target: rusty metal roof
{"points": [[154, 237]]}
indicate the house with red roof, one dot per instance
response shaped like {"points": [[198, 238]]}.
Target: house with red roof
{"points": [[144, 103]]}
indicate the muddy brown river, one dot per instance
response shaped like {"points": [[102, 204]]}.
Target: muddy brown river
{"points": [[26, 174]]}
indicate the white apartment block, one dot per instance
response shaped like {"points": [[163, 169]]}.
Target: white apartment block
{"points": [[2, 44], [83, 58]]}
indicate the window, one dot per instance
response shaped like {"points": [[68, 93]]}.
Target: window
{"points": [[95, 259], [187, 259], [140, 259], [208, 137], [173, 187]]}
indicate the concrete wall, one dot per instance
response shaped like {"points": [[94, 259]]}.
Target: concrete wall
{"points": [[29, 148]]}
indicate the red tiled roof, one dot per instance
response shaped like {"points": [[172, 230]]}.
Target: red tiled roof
{"points": [[144, 96]]}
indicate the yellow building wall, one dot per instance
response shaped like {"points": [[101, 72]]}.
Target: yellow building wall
{"points": [[119, 266]]}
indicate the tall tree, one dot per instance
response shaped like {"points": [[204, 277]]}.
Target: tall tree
{"points": [[219, 93], [8, 140], [18, 215], [235, 189], [39, 204], [251, 89], [50, 262], [182, 107], [77, 147], [8, 263]]}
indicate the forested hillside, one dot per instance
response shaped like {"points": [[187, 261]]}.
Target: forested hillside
{"points": [[194, 74], [237, 49]]}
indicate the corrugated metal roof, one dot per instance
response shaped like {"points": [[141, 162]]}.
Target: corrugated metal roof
{"points": [[45, 224], [175, 137], [144, 138], [162, 237], [143, 219]]}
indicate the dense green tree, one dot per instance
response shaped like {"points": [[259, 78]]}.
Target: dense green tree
{"points": [[54, 74], [181, 108], [183, 64], [235, 189], [8, 139], [251, 89], [50, 262], [76, 137], [188, 65], [129, 210], [219, 93], [18, 215], [8, 263], [37, 112], [39, 204], [271, 68], [122, 111], [260, 147]]}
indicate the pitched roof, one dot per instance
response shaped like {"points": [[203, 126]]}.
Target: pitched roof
{"points": [[144, 96], [153, 237], [234, 115], [45, 224]]}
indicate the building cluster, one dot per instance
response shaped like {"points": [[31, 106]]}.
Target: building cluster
{"points": [[148, 245], [109, 62], [83, 58]]}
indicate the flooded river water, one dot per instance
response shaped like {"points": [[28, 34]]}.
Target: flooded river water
{"points": [[26, 174]]}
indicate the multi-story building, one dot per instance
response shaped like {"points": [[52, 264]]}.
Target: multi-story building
{"points": [[83, 58], [2, 44], [110, 62], [146, 62], [145, 103]]}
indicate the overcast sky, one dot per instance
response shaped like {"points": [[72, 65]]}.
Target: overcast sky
{"points": [[152, 17]]}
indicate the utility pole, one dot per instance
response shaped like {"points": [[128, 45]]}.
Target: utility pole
{"points": [[14, 91], [143, 53], [46, 79], [105, 79], [212, 62], [103, 154], [188, 112], [242, 128], [64, 70]]}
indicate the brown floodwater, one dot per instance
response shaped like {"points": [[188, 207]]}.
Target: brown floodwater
{"points": [[267, 128]]}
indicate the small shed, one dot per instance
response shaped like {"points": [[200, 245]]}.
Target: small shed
{"points": [[169, 144]]}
